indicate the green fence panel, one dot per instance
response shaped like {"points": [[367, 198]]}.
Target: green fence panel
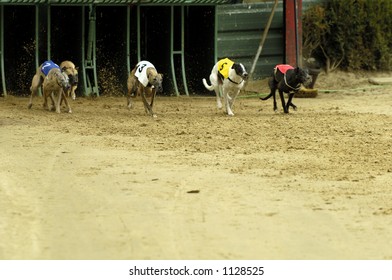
{"points": [[239, 31]]}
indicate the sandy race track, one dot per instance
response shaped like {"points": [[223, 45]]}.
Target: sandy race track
{"points": [[108, 183]]}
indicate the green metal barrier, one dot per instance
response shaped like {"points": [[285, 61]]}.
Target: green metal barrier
{"points": [[179, 52], [2, 51], [90, 79]]}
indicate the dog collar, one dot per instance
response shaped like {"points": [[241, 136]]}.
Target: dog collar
{"points": [[234, 82], [296, 88]]}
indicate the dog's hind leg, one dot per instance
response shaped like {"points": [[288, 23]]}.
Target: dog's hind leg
{"points": [[35, 84], [46, 93], [273, 86], [45, 104], [215, 86], [132, 86], [58, 101], [129, 102], [218, 97], [273, 94], [275, 104], [281, 95]]}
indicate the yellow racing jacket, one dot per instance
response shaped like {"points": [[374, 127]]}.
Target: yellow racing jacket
{"points": [[224, 66]]}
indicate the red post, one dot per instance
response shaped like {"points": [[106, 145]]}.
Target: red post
{"points": [[293, 26]]}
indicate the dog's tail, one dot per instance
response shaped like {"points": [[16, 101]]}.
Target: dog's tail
{"points": [[265, 98], [207, 86]]}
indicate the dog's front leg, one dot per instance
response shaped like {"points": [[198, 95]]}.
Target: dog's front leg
{"points": [[147, 106], [73, 94], [289, 103], [227, 101], [281, 95], [64, 96], [129, 102], [68, 93], [232, 96], [153, 93]]}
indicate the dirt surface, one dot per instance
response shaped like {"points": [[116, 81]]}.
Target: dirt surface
{"points": [[109, 183]]}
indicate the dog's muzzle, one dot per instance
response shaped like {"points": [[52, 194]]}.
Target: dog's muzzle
{"points": [[66, 86], [73, 79], [65, 83], [245, 75], [159, 88]]}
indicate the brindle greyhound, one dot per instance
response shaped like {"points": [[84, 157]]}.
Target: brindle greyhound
{"points": [[56, 83], [286, 79], [39, 77], [72, 72], [144, 80]]}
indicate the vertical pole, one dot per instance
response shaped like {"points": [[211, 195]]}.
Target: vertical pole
{"points": [[293, 34], [84, 51], [49, 33], [37, 36], [183, 50], [172, 49], [298, 31], [37, 24], [91, 84], [91, 31], [2, 49], [128, 45], [94, 46], [216, 35], [138, 33]]}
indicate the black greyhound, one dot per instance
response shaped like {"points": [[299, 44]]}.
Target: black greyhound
{"points": [[286, 79]]}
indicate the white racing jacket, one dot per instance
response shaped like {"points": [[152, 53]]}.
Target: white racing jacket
{"points": [[141, 71]]}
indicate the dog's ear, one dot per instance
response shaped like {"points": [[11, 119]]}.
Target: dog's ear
{"points": [[77, 68], [161, 75]]}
